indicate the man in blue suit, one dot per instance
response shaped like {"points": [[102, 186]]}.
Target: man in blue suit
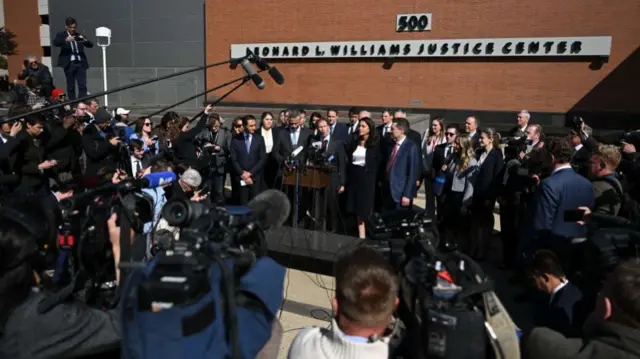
{"points": [[402, 167], [337, 130], [72, 57], [563, 190], [248, 155]]}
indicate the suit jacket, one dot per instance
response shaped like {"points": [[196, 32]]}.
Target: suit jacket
{"points": [[564, 313], [580, 160], [222, 139], [63, 145], [283, 146], [7, 159], [609, 340], [64, 58], [144, 163], [488, 180], [340, 132], [563, 190], [439, 159], [404, 171], [252, 162], [336, 148]]}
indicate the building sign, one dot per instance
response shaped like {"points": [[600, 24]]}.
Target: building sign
{"points": [[593, 46], [413, 22]]}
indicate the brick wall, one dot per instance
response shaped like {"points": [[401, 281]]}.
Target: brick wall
{"points": [[22, 17], [546, 86]]}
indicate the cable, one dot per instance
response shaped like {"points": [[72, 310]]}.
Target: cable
{"points": [[118, 89]]}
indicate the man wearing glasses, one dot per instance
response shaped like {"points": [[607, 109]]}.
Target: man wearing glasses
{"points": [[32, 68]]}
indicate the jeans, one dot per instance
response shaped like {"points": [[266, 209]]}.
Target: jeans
{"points": [[215, 181]]}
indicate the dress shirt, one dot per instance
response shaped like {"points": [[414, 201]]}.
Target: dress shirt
{"points": [[295, 136], [4, 139], [448, 150], [328, 139], [331, 128], [247, 141], [562, 167], [386, 129], [577, 148], [268, 138], [136, 164], [360, 156], [353, 127]]}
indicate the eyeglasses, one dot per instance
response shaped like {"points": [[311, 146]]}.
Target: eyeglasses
{"points": [[237, 126], [451, 134], [147, 123]]}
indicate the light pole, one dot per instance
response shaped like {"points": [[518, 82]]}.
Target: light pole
{"points": [[103, 34]]}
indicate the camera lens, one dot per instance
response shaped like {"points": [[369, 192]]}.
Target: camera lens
{"points": [[181, 213]]}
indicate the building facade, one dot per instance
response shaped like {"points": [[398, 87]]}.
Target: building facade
{"points": [[552, 58]]}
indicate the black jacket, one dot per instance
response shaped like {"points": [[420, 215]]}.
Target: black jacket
{"points": [[42, 73], [65, 146], [98, 150], [69, 330], [29, 155], [184, 145], [64, 59]]}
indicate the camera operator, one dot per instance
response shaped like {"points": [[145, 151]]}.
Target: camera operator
{"points": [[67, 330], [215, 142], [33, 68], [99, 150], [366, 298], [64, 144], [183, 138], [607, 188], [34, 98], [612, 330]]}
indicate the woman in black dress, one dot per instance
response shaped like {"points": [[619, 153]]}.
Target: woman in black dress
{"points": [[364, 157]]}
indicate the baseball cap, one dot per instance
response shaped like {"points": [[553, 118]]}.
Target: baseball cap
{"points": [[56, 92], [101, 116], [122, 111]]}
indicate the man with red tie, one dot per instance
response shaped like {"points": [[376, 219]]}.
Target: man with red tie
{"points": [[402, 168]]}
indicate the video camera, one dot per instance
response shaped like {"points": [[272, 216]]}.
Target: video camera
{"points": [[213, 285], [515, 145], [447, 304]]}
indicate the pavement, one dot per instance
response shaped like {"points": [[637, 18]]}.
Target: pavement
{"points": [[308, 296]]}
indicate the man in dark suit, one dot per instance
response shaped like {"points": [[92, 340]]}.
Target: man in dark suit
{"points": [[401, 168], [138, 161], [63, 144], [337, 130], [611, 331], [248, 156], [335, 153], [563, 190], [520, 129], [442, 151], [471, 125], [215, 142], [72, 57], [581, 154], [413, 136], [561, 309]]}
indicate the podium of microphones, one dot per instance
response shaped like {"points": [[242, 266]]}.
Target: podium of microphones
{"points": [[314, 179]]}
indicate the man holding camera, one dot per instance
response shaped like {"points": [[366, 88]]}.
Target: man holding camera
{"points": [[33, 68], [100, 151], [72, 57], [215, 142]]}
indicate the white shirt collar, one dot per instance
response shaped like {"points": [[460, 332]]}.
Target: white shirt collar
{"points": [[328, 138], [524, 129], [578, 147], [135, 159], [471, 134], [562, 167], [557, 289]]}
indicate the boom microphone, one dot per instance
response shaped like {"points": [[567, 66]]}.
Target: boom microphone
{"points": [[270, 208], [251, 72], [276, 75]]}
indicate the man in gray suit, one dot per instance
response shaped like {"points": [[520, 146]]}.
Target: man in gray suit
{"points": [[214, 142]]}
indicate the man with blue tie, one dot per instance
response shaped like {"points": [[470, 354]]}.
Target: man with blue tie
{"points": [[248, 155], [72, 58], [563, 190], [402, 168], [337, 130]]}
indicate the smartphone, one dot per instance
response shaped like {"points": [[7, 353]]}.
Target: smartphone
{"points": [[573, 215], [205, 189]]}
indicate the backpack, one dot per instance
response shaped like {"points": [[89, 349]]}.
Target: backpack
{"points": [[200, 328], [629, 208]]}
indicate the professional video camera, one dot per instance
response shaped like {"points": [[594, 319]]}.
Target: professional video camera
{"points": [[447, 303], [215, 280], [85, 249], [514, 145]]}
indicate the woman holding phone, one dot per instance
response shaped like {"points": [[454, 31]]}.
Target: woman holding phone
{"points": [[143, 133]]}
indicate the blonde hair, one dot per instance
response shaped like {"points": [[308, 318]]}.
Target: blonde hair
{"points": [[610, 156], [441, 135], [467, 153]]}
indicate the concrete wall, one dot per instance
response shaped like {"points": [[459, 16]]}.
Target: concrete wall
{"points": [[150, 38]]}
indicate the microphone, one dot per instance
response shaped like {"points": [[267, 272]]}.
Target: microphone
{"points": [[251, 72], [276, 75], [270, 208], [262, 64], [157, 179], [296, 151]]}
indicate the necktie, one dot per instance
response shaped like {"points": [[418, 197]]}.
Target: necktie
{"points": [[351, 129], [138, 168], [393, 157], [447, 151], [247, 142], [324, 146], [331, 129], [294, 137], [386, 130]]}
